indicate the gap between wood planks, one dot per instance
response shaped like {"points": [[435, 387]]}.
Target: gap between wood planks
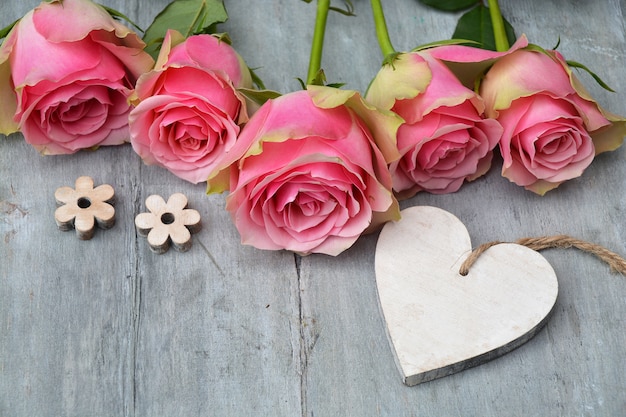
{"points": [[136, 288], [303, 355], [307, 337]]}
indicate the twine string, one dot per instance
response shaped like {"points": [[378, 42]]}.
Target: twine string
{"points": [[615, 261]]}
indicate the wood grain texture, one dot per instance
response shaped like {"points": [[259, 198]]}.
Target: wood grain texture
{"points": [[225, 329]]}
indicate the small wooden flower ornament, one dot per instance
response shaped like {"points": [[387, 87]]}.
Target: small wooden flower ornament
{"points": [[84, 207], [168, 222]]}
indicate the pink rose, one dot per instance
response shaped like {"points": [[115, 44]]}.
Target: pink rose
{"points": [[66, 72], [311, 175], [445, 138], [552, 127], [189, 110]]}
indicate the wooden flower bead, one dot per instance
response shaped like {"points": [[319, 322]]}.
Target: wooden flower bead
{"points": [[84, 207], [167, 223]]}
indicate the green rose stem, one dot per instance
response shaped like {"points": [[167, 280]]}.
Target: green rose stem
{"points": [[315, 59], [499, 33], [382, 34]]}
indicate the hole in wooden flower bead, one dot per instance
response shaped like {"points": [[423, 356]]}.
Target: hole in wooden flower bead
{"points": [[83, 202], [167, 218]]}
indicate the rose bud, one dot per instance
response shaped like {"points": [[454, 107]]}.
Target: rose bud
{"points": [[311, 172], [189, 112], [67, 70], [445, 139], [552, 127]]}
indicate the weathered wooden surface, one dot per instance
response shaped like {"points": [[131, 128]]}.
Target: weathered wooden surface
{"points": [[106, 327]]}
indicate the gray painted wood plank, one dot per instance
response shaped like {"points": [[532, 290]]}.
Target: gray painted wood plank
{"points": [[106, 327], [67, 341]]}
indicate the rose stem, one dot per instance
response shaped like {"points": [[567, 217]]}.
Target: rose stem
{"points": [[499, 33], [315, 59], [382, 34]]}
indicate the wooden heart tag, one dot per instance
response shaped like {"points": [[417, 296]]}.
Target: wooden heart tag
{"points": [[440, 322]]}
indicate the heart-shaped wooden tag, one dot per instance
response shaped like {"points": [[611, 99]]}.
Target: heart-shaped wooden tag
{"points": [[440, 322]]}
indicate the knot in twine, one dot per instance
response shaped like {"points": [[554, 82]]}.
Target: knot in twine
{"points": [[615, 261]]}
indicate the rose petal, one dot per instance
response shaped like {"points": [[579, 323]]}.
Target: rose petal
{"points": [[8, 100], [407, 77], [51, 20], [210, 53]]}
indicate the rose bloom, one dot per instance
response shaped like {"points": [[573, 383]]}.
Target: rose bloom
{"points": [[552, 127], [445, 139], [66, 72], [189, 111], [311, 172]]}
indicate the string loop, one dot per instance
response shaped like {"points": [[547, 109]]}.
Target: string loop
{"points": [[615, 261]]}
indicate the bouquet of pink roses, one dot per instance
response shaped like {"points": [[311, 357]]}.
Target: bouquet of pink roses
{"points": [[459, 102], [311, 170]]}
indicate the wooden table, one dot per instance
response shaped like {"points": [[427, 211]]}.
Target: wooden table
{"points": [[107, 328]]}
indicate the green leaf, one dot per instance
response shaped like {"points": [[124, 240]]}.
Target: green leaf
{"points": [[223, 37], [444, 43], [391, 58], [450, 5], [300, 80], [259, 96], [335, 85], [599, 80], [319, 79], [4, 32], [189, 17], [475, 25], [256, 80], [349, 10], [536, 48], [118, 15]]}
